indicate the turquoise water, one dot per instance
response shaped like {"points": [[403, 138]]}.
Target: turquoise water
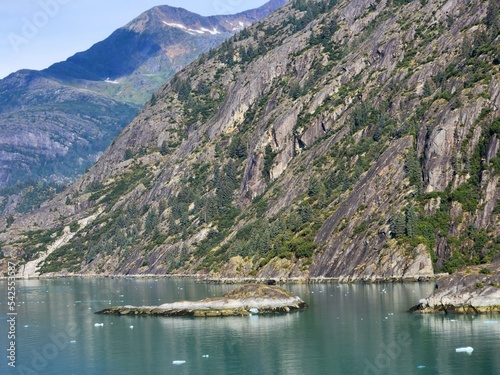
{"points": [[347, 329]]}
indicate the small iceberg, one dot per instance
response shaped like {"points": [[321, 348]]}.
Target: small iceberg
{"points": [[99, 325], [178, 363], [205, 356], [254, 310], [420, 366], [131, 327], [466, 349]]}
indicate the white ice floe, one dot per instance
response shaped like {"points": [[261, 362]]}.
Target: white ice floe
{"points": [[490, 322], [205, 356], [254, 311], [466, 349], [177, 363], [99, 325]]}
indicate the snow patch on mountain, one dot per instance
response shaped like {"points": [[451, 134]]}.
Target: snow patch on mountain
{"points": [[203, 30]]}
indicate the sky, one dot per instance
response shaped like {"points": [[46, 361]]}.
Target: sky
{"points": [[34, 34]]}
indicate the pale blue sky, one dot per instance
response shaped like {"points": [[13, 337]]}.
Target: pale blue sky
{"points": [[37, 33]]}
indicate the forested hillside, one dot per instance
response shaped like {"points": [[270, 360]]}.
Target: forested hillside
{"points": [[353, 139]]}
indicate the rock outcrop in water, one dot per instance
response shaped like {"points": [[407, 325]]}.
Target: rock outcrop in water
{"points": [[472, 292], [244, 300]]}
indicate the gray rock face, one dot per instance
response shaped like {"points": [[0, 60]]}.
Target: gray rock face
{"points": [[56, 123], [356, 142]]}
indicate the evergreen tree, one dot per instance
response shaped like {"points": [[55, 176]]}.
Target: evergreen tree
{"points": [[398, 225], [164, 148], [411, 221]]}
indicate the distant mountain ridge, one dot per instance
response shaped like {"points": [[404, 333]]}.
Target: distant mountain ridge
{"points": [[55, 123], [153, 31]]}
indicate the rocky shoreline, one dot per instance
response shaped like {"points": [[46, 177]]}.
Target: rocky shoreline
{"points": [[240, 280], [475, 291], [244, 300]]}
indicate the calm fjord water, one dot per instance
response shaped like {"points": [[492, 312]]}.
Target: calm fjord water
{"points": [[347, 329]]}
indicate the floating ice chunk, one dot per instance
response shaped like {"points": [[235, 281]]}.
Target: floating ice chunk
{"points": [[490, 322], [72, 341], [99, 325], [466, 349], [178, 363], [131, 327], [420, 366], [254, 310], [205, 356]]}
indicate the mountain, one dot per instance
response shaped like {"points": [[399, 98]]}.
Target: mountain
{"points": [[55, 123], [355, 140]]}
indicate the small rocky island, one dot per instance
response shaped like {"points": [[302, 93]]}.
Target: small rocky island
{"points": [[244, 300], [474, 291]]}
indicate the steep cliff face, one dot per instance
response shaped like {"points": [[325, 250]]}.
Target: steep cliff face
{"points": [[351, 139], [57, 122]]}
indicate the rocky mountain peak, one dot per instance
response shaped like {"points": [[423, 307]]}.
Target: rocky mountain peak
{"points": [[75, 108]]}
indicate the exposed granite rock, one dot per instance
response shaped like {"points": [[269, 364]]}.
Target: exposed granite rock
{"points": [[240, 301], [471, 292], [55, 123], [297, 160]]}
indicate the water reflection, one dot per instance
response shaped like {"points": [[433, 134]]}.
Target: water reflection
{"points": [[347, 329]]}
